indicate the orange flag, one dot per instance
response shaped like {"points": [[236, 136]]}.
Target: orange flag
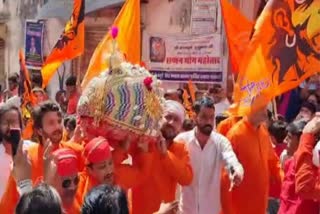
{"points": [[69, 45], [129, 40], [27, 97], [238, 31], [283, 52], [188, 105], [25, 87], [192, 91]]}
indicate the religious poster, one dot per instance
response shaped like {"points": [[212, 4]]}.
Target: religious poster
{"points": [[33, 44], [205, 17], [185, 57]]}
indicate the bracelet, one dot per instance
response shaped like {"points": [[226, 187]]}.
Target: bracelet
{"points": [[24, 182], [24, 186]]}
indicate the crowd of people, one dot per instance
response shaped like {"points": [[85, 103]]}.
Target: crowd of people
{"points": [[67, 161]]}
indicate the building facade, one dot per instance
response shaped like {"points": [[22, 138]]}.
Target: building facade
{"points": [[13, 14]]}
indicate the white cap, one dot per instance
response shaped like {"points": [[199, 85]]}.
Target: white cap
{"points": [[176, 108]]}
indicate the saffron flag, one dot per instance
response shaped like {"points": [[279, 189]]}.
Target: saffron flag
{"points": [[188, 105], [25, 87], [69, 45], [192, 91], [129, 41], [27, 97], [283, 52], [238, 31]]}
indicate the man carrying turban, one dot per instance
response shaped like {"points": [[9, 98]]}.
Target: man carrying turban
{"points": [[102, 168], [170, 164]]}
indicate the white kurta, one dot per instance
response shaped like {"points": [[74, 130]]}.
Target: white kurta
{"points": [[5, 169], [222, 107], [203, 195]]}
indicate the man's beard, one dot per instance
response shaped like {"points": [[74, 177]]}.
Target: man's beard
{"points": [[55, 137], [168, 132], [206, 129], [6, 137]]}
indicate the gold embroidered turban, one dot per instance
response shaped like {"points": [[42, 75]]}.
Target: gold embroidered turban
{"points": [[126, 96]]}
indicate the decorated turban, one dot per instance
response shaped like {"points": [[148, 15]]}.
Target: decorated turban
{"points": [[66, 161], [97, 150], [171, 106], [125, 96]]}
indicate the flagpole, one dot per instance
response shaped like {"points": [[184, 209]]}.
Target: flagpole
{"points": [[274, 106], [79, 74]]}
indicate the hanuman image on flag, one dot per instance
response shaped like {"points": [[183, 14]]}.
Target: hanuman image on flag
{"points": [[71, 29], [295, 47], [283, 52]]}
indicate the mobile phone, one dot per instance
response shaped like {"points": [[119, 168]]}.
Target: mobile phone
{"points": [[15, 137]]}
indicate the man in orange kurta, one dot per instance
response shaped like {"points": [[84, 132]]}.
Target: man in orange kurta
{"points": [[105, 167], [170, 165], [251, 143], [47, 123]]}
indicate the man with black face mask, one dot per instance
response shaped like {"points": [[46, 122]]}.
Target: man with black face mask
{"points": [[208, 151], [170, 165]]}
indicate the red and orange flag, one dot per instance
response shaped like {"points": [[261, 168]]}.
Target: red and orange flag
{"points": [[27, 97], [188, 105], [192, 91], [238, 31], [69, 45], [129, 41], [283, 52]]}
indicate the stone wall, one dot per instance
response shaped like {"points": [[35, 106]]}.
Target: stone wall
{"points": [[13, 14]]}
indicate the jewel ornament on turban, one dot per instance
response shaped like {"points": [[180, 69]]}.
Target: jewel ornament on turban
{"points": [[97, 150], [171, 106], [66, 161], [125, 96]]}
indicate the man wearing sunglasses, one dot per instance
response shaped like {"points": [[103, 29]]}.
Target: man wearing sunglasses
{"points": [[62, 174]]}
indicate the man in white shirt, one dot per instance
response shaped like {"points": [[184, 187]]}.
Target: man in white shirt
{"points": [[221, 102], [208, 151]]}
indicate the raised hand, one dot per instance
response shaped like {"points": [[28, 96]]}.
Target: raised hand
{"points": [[21, 164], [49, 165], [313, 127], [168, 208], [162, 145], [143, 144], [125, 145], [78, 135]]}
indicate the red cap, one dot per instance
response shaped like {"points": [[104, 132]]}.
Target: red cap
{"points": [[97, 150], [66, 161]]}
